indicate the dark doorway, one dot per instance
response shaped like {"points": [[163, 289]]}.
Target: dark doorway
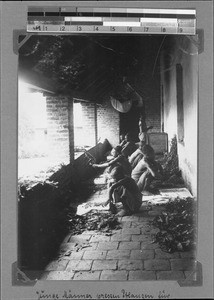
{"points": [[129, 122]]}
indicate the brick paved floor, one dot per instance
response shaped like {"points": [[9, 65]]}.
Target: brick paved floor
{"points": [[127, 254]]}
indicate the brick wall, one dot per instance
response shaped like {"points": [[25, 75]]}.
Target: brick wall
{"points": [[108, 120], [60, 117], [88, 112], [153, 116], [151, 94], [147, 81], [129, 121], [60, 126], [58, 130], [107, 123]]}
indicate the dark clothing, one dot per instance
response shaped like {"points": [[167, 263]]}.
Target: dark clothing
{"points": [[128, 148], [127, 192]]}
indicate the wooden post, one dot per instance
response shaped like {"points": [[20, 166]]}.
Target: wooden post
{"points": [[71, 129], [95, 123]]}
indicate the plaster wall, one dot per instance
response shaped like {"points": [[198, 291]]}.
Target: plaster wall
{"points": [[183, 53], [108, 123]]}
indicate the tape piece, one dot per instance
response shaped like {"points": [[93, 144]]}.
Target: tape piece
{"points": [[20, 278], [195, 278], [16, 44]]}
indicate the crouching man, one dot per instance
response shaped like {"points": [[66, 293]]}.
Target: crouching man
{"points": [[146, 171], [123, 189], [117, 158]]}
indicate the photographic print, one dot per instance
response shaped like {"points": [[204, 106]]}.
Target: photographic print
{"points": [[107, 157], [108, 170]]}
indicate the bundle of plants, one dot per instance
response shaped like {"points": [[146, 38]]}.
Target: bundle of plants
{"points": [[41, 177], [170, 160], [177, 226], [93, 220]]}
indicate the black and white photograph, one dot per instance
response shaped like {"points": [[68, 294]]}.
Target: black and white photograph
{"points": [[107, 165], [107, 151]]}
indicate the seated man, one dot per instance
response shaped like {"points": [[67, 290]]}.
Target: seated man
{"points": [[117, 158], [122, 139], [147, 170], [123, 189], [128, 145], [143, 129], [136, 156]]}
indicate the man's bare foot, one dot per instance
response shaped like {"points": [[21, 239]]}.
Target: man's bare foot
{"points": [[123, 213]]}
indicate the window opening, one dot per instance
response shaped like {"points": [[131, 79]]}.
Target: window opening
{"points": [[32, 133]]}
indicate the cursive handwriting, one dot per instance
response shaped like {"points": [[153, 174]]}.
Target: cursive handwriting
{"points": [[163, 295], [68, 294], [43, 295], [108, 296], [129, 295], [65, 295]]}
